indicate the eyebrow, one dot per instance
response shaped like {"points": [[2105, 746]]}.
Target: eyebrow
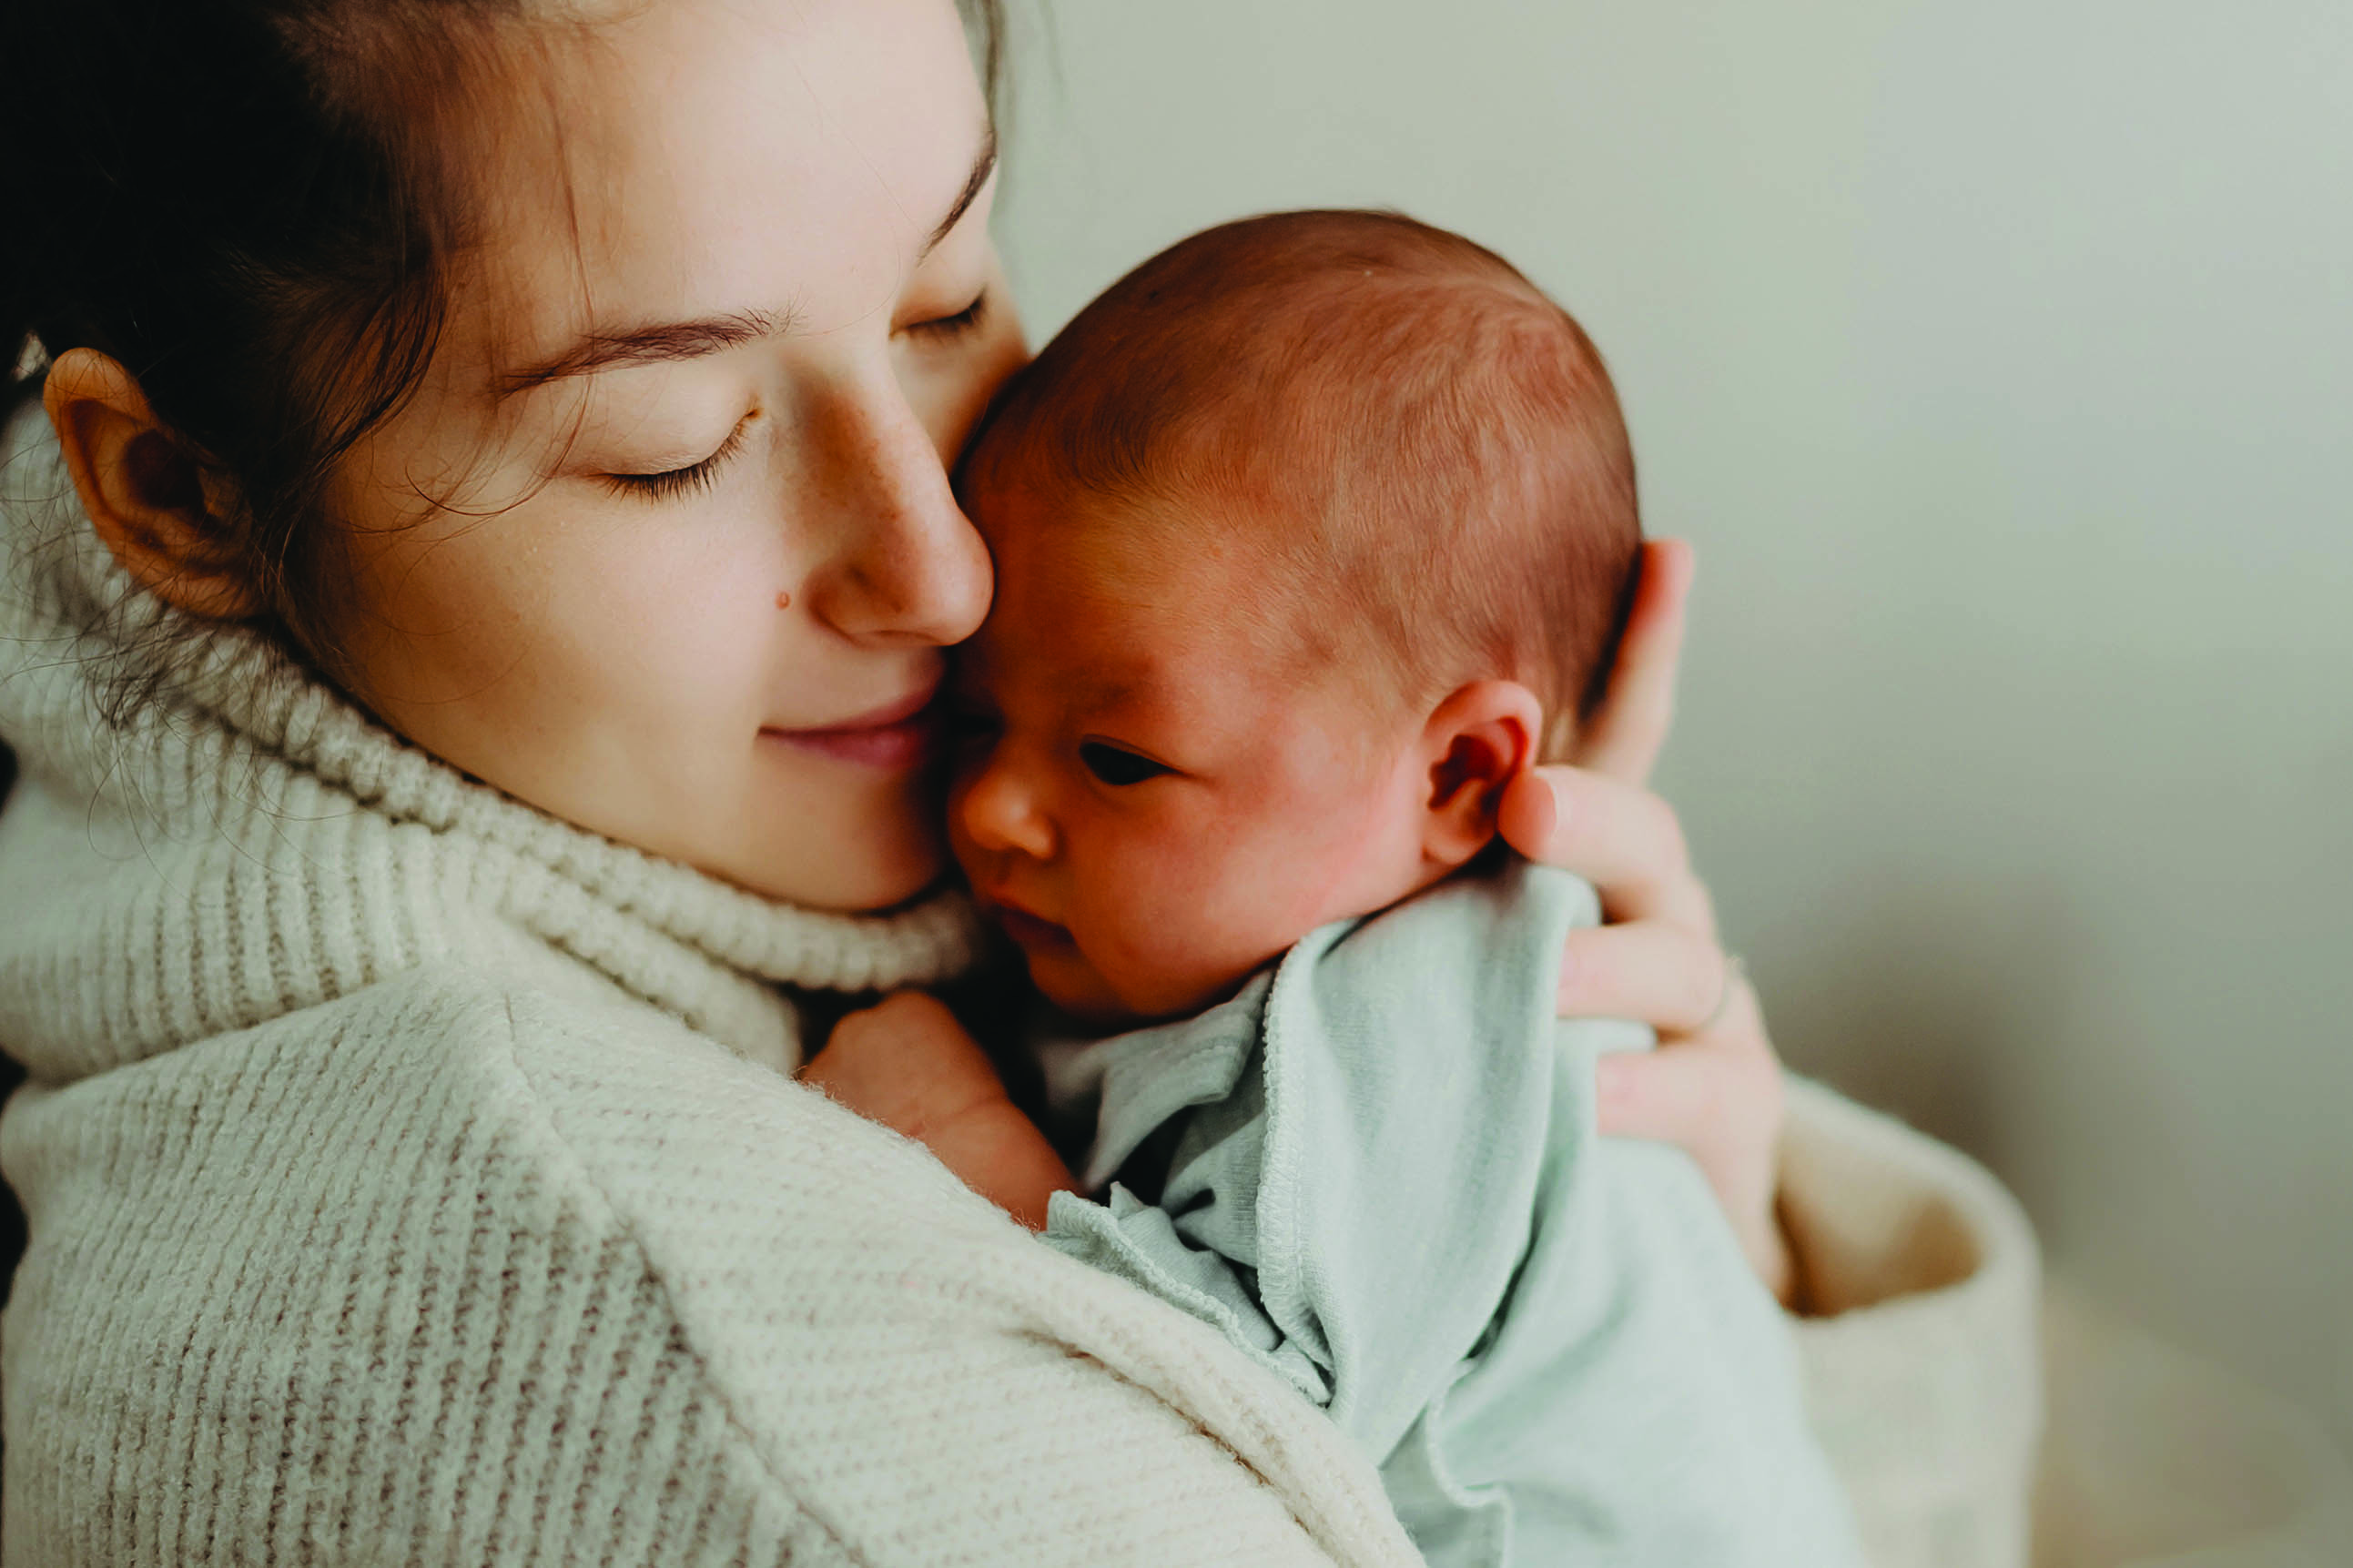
{"points": [[672, 341], [1096, 692], [984, 165], [646, 345]]}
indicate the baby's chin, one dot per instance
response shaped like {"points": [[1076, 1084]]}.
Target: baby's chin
{"points": [[1080, 995], [1078, 991]]}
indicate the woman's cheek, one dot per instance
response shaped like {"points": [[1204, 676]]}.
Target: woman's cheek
{"points": [[671, 619], [950, 403]]}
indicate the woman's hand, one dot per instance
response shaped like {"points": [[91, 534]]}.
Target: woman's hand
{"points": [[1714, 1087]]}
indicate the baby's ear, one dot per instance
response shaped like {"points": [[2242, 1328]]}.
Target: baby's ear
{"points": [[1476, 742]]}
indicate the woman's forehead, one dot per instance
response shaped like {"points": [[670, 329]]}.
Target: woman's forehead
{"points": [[701, 158]]}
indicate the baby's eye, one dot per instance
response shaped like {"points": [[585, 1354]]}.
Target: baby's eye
{"points": [[1116, 764]]}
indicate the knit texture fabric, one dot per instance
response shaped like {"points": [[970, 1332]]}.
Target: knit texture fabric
{"points": [[1923, 1368], [413, 1179]]}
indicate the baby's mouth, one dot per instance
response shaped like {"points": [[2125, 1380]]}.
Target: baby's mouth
{"points": [[1029, 931]]}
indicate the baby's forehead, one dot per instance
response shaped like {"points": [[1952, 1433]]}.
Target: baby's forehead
{"points": [[1182, 617], [1136, 581]]}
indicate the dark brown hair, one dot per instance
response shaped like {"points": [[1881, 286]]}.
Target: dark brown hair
{"points": [[250, 204], [1432, 448]]}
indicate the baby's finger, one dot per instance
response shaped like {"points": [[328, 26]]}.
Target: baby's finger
{"points": [[1618, 836], [1625, 735], [1664, 975]]}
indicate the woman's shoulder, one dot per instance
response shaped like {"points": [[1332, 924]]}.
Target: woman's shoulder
{"points": [[349, 1244], [546, 1092]]}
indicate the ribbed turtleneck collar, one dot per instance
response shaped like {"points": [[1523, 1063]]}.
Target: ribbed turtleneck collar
{"points": [[249, 842]]}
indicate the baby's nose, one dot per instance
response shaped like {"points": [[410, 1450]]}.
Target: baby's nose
{"points": [[999, 812]]}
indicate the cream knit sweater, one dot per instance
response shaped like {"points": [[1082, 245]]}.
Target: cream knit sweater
{"points": [[413, 1179]]}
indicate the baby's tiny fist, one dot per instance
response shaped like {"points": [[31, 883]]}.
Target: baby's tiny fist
{"points": [[909, 1064], [906, 1063]]}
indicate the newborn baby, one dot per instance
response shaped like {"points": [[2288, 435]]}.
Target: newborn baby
{"points": [[1310, 534]]}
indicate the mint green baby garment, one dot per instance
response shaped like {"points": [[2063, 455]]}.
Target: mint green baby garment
{"points": [[1375, 1169]]}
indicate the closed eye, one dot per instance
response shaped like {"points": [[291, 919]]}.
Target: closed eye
{"points": [[957, 324], [679, 481], [1116, 764]]}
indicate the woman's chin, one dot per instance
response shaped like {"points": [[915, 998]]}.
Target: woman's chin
{"points": [[855, 874]]}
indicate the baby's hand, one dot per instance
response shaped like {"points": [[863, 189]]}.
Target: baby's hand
{"points": [[906, 1063], [909, 1064]]}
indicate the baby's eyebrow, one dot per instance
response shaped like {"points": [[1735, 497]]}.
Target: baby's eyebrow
{"points": [[1094, 690]]}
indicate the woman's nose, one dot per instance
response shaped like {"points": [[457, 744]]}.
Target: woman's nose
{"points": [[899, 560], [999, 812]]}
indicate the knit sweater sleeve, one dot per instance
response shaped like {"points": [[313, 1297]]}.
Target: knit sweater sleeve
{"points": [[441, 1273], [1921, 1348]]}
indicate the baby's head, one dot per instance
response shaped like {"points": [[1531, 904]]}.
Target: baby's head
{"points": [[1310, 534]]}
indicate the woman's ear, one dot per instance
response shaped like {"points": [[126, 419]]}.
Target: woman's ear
{"points": [[1477, 741], [149, 500]]}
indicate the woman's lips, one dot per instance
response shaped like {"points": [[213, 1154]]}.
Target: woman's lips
{"points": [[897, 735]]}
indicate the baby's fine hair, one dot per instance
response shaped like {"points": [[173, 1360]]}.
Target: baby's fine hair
{"points": [[1430, 447]]}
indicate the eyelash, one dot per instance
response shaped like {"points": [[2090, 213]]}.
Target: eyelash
{"points": [[679, 481], [957, 325], [1116, 765]]}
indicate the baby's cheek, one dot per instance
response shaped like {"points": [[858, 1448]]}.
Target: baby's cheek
{"points": [[1187, 952], [1138, 929]]}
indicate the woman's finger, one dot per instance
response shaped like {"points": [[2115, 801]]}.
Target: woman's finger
{"points": [[1669, 1096], [1618, 836], [1718, 1096], [1674, 979], [1624, 737], [1694, 1087]]}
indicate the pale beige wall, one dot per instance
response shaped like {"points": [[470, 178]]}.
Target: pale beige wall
{"points": [[1999, 354]]}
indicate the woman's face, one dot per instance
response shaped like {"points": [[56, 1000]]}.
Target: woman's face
{"points": [[666, 546]]}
